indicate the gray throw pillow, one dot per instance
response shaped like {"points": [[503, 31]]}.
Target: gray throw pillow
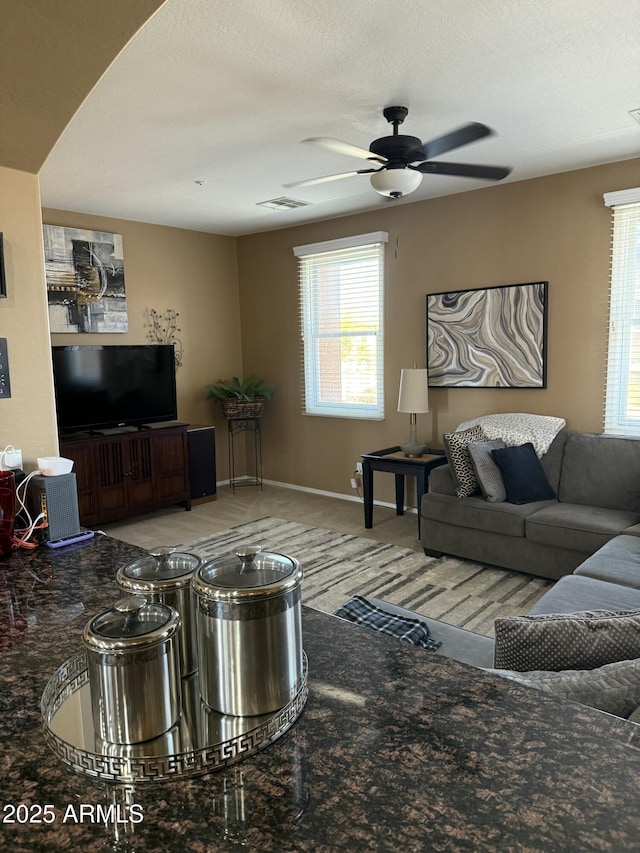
{"points": [[614, 687], [555, 642], [488, 474], [455, 447]]}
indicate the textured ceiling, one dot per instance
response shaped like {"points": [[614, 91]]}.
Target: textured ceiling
{"points": [[202, 116]]}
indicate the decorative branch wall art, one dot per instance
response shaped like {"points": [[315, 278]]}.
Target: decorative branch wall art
{"points": [[162, 329], [84, 271], [488, 338]]}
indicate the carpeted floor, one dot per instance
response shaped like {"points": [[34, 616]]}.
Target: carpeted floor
{"points": [[337, 566]]}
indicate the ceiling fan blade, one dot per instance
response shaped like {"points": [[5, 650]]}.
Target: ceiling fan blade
{"points": [[456, 138], [464, 170], [310, 181], [345, 148]]}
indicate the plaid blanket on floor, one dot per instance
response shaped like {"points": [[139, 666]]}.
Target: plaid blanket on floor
{"points": [[362, 612]]}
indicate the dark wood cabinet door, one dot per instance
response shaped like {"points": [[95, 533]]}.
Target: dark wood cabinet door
{"points": [[140, 472], [171, 465], [112, 478]]}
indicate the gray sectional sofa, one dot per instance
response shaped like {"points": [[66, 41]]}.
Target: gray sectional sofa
{"points": [[603, 588], [608, 580], [596, 479], [588, 539]]}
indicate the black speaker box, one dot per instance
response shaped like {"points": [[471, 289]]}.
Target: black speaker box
{"points": [[202, 461], [58, 497]]}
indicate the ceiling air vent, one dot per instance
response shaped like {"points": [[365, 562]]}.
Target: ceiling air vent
{"points": [[635, 114], [282, 203]]}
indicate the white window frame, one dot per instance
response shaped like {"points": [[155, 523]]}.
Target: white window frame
{"points": [[312, 257], [622, 394]]}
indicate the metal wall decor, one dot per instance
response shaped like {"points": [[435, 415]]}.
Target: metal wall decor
{"points": [[84, 271], [162, 329], [493, 337]]}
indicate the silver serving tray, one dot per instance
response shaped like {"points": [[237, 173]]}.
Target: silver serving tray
{"points": [[201, 741]]}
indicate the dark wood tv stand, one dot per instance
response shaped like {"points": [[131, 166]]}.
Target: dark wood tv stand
{"points": [[126, 473]]}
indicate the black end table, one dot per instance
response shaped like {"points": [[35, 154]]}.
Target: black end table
{"points": [[393, 461]]}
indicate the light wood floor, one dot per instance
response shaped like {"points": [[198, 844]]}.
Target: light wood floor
{"points": [[176, 526]]}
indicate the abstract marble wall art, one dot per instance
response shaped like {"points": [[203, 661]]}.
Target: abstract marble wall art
{"points": [[84, 270], [494, 337]]}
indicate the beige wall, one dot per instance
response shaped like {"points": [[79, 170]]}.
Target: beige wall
{"points": [[552, 229], [27, 419], [192, 273]]}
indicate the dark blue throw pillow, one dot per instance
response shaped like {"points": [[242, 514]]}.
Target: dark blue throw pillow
{"points": [[523, 475]]}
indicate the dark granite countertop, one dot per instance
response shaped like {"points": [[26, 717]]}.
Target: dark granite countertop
{"points": [[397, 748]]}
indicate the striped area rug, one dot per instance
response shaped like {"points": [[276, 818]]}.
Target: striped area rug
{"points": [[339, 565]]}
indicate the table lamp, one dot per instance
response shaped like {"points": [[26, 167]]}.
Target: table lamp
{"points": [[413, 398]]}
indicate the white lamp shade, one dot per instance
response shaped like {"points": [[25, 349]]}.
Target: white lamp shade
{"points": [[414, 392], [396, 182]]}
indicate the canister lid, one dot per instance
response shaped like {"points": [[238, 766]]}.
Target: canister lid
{"points": [[131, 624], [247, 573], [162, 569]]}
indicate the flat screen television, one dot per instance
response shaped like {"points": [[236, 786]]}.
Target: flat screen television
{"points": [[106, 387]]}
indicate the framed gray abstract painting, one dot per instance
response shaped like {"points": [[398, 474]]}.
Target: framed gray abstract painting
{"points": [[84, 271], [494, 337]]}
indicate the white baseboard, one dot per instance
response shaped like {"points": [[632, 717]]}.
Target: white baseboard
{"points": [[335, 495], [338, 495]]}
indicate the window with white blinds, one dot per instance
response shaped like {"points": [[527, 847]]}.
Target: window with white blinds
{"points": [[342, 326], [622, 400]]}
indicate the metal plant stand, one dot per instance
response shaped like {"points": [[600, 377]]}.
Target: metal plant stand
{"points": [[235, 427]]}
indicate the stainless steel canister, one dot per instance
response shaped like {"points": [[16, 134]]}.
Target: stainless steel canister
{"points": [[134, 670], [164, 577], [249, 631]]}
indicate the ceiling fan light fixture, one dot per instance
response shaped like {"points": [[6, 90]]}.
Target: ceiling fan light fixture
{"points": [[396, 183]]}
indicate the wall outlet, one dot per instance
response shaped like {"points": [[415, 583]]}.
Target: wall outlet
{"points": [[359, 468], [10, 459]]}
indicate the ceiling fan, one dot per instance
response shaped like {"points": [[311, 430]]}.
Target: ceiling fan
{"points": [[401, 161]]}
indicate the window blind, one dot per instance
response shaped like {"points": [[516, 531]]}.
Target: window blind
{"points": [[341, 286], [622, 397]]}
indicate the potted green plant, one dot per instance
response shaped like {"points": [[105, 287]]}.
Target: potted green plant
{"points": [[241, 397]]}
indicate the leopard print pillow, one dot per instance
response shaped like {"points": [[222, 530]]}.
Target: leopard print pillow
{"points": [[455, 445]]}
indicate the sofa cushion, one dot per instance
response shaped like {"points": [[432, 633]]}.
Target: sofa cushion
{"points": [[557, 641], [618, 561], [576, 526], [488, 474], [524, 478], [590, 593], [613, 688], [455, 447], [552, 460], [599, 470], [479, 514]]}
